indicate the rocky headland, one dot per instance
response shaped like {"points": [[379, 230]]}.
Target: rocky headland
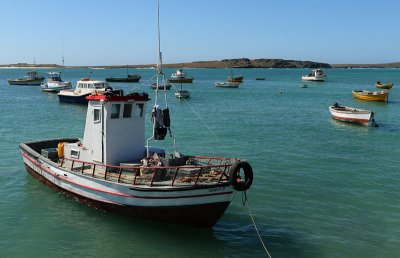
{"points": [[225, 63]]}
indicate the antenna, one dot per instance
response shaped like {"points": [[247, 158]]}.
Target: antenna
{"points": [[159, 65]]}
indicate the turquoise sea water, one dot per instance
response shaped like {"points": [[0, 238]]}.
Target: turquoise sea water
{"points": [[322, 188]]}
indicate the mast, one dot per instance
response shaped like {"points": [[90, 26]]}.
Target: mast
{"points": [[159, 64], [161, 74]]}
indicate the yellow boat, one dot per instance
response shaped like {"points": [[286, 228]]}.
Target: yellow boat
{"points": [[371, 95], [380, 85]]}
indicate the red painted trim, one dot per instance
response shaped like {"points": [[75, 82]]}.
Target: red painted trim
{"points": [[116, 193], [351, 119], [135, 97]]}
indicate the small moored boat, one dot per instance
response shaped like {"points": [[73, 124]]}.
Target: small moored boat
{"points": [[31, 78], [227, 84], [380, 85], [371, 95], [54, 83], [161, 86], [316, 75], [180, 77], [182, 94], [350, 114], [238, 79], [84, 88], [129, 78]]}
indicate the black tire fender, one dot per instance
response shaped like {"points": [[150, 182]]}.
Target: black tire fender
{"points": [[234, 175]]}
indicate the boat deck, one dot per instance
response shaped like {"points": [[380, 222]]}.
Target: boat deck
{"points": [[187, 175]]}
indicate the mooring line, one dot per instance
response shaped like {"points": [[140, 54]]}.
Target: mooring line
{"points": [[206, 126], [246, 201]]}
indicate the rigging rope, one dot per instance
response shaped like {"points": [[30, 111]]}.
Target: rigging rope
{"points": [[244, 202], [204, 123], [141, 84]]}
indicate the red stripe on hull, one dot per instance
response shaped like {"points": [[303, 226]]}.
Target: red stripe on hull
{"points": [[205, 215], [354, 120]]}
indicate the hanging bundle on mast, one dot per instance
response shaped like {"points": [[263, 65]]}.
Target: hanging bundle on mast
{"points": [[161, 121], [160, 116]]}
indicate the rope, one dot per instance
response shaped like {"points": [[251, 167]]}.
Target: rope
{"points": [[246, 201], [204, 123], [141, 84]]}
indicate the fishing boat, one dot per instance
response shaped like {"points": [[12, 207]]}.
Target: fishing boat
{"points": [[180, 77], [316, 75], [114, 168], [84, 88], [129, 78], [227, 84], [371, 95], [54, 83], [31, 78], [260, 78], [350, 114], [380, 85]]}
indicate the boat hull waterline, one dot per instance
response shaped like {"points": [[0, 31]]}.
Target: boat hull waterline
{"points": [[181, 80], [123, 79], [74, 99], [36, 82]]}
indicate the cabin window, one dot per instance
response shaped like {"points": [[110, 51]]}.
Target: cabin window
{"points": [[138, 112], [75, 154], [96, 115], [127, 111], [115, 108]]}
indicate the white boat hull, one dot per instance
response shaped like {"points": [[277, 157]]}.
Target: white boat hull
{"points": [[313, 78], [227, 84], [56, 87], [182, 94], [198, 206], [353, 115]]}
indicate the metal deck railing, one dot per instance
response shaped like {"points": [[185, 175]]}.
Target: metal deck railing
{"points": [[200, 170]]}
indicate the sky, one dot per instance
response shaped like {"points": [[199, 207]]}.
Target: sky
{"points": [[120, 32]]}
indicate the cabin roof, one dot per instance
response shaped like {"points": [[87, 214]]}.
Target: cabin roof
{"points": [[110, 98]]}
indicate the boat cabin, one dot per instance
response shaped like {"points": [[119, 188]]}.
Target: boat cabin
{"points": [[54, 76], [86, 83], [114, 130], [31, 75]]}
